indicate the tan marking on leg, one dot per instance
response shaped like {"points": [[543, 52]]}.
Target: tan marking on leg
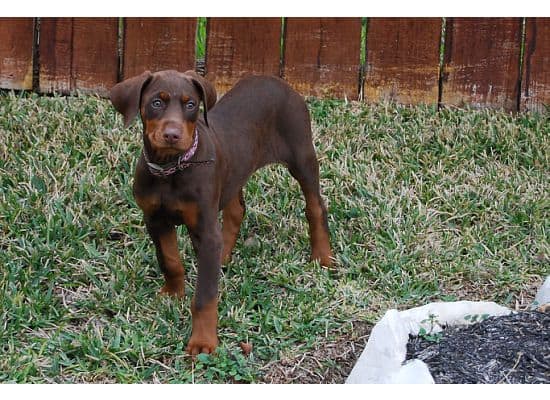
{"points": [[232, 218], [204, 338], [318, 231], [174, 273]]}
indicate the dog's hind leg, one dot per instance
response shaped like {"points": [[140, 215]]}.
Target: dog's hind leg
{"points": [[305, 169], [233, 214]]}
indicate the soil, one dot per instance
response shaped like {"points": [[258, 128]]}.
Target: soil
{"points": [[330, 362], [509, 349]]}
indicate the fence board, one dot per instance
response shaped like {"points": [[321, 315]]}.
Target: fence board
{"points": [[322, 56], [16, 53], [78, 54], [239, 46], [95, 54], [158, 43], [55, 54], [535, 86], [402, 61], [481, 65]]}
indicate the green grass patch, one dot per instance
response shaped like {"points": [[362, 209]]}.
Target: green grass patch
{"points": [[200, 42], [423, 205]]}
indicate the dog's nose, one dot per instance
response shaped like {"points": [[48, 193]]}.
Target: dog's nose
{"points": [[172, 134]]}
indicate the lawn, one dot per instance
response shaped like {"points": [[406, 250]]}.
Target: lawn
{"points": [[423, 206]]}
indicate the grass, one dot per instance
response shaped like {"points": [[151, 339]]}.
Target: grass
{"points": [[423, 206], [200, 42]]}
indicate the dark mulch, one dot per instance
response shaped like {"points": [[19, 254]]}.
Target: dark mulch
{"points": [[509, 349]]}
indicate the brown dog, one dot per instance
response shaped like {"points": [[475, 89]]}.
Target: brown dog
{"points": [[192, 167]]}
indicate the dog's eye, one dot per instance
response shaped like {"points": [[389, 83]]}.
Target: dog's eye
{"points": [[157, 103], [190, 105]]}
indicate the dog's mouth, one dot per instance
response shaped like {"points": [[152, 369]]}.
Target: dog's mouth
{"points": [[173, 147], [165, 165], [166, 152], [169, 139]]}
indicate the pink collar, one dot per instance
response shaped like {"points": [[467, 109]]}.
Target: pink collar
{"points": [[180, 164]]}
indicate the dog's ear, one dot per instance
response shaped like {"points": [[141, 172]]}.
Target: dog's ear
{"points": [[126, 96], [206, 89]]}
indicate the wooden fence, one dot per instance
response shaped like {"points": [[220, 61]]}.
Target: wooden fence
{"points": [[499, 63]]}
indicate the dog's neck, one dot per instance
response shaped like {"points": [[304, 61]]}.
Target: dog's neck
{"points": [[164, 167]]}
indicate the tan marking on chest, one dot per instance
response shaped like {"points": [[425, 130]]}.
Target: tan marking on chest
{"points": [[148, 204], [188, 211]]}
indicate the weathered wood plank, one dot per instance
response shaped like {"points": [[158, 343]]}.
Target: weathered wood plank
{"points": [[16, 53], [95, 54], [535, 85], [56, 42], [240, 46], [322, 56], [156, 44], [402, 62], [481, 65], [78, 54]]}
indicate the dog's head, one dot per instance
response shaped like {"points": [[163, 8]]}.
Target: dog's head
{"points": [[169, 104]]}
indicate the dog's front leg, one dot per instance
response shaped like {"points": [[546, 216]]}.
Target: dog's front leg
{"points": [[164, 237], [207, 242]]}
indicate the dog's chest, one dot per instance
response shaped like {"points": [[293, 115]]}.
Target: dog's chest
{"points": [[169, 207]]}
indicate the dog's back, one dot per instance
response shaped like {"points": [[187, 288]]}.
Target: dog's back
{"points": [[263, 112]]}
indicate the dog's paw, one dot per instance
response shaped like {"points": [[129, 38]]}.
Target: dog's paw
{"points": [[325, 259], [173, 290], [198, 345]]}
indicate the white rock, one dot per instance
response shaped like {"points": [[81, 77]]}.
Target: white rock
{"points": [[543, 294]]}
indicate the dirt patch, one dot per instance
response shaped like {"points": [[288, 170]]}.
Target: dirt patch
{"points": [[330, 362], [513, 348], [480, 290]]}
